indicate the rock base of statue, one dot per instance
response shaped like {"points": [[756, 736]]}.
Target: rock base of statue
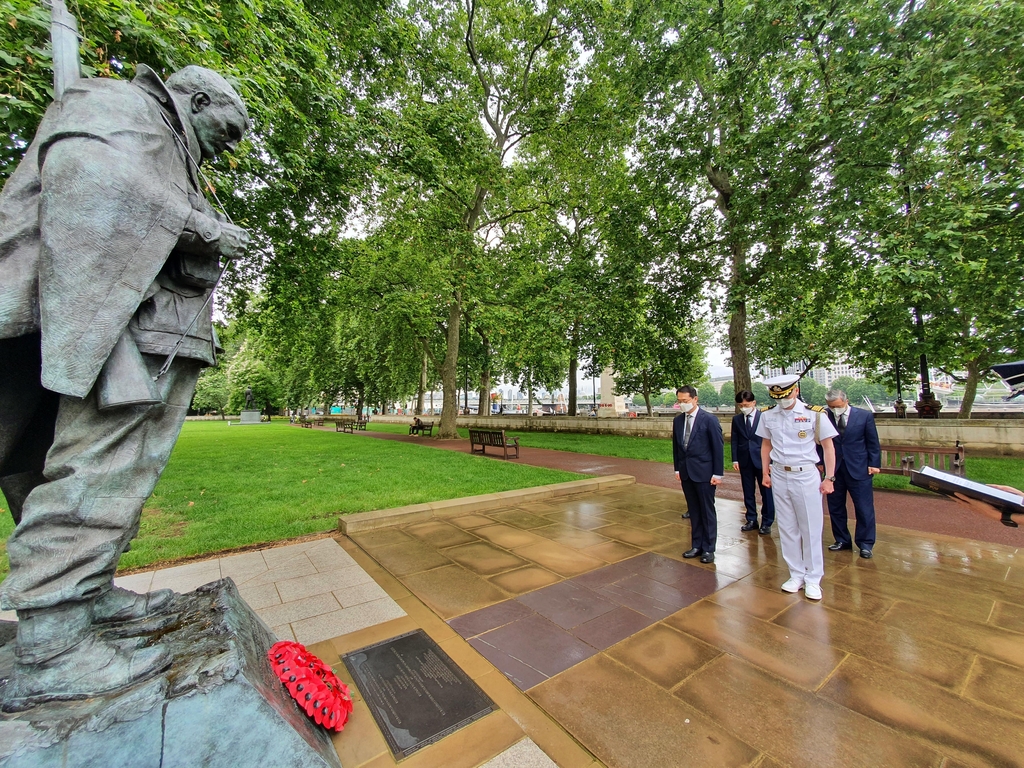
{"points": [[218, 705], [250, 417]]}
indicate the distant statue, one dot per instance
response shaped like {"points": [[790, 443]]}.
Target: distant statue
{"points": [[109, 253], [250, 401]]}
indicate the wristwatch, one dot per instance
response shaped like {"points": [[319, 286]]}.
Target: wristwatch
{"points": [[830, 479]]}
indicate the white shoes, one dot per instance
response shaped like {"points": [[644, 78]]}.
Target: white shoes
{"points": [[812, 591], [795, 585]]}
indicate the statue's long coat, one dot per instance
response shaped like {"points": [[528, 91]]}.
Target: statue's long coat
{"points": [[81, 244]]}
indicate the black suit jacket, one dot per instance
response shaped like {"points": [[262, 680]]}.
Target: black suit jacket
{"points": [[746, 445], [858, 447], [703, 457]]}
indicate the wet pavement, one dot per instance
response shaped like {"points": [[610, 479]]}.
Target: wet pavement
{"points": [[915, 657]]}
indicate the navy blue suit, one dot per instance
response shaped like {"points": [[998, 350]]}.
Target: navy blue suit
{"points": [[697, 463], [857, 448], [746, 451]]}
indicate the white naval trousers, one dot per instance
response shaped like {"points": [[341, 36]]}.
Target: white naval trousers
{"points": [[799, 515]]}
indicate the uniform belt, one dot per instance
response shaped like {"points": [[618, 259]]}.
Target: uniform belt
{"points": [[791, 469]]}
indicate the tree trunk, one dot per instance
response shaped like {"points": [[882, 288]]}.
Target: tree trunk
{"points": [[738, 347], [422, 389], [970, 389], [529, 396], [447, 429], [574, 365], [647, 394], [484, 408]]}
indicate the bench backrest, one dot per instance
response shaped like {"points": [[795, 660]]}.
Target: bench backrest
{"points": [[901, 459], [487, 437]]}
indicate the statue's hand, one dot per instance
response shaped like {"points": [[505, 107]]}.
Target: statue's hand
{"points": [[233, 241]]}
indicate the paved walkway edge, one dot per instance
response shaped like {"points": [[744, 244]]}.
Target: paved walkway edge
{"points": [[412, 513]]}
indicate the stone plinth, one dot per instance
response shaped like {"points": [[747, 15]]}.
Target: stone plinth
{"points": [[218, 705], [251, 417]]}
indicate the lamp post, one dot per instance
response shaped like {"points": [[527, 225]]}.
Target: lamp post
{"points": [[928, 406]]}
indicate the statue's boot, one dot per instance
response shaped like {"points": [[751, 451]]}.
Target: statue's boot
{"points": [[118, 604], [59, 658]]}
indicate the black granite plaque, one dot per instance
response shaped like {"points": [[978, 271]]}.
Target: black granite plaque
{"points": [[416, 693]]}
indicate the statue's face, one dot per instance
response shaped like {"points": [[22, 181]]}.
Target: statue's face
{"points": [[218, 127]]}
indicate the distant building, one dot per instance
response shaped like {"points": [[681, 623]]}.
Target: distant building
{"points": [[823, 376]]}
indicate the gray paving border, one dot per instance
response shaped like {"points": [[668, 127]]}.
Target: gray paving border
{"points": [[414, 513]]}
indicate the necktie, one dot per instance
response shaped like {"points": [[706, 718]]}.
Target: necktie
{"points": [[686, 431], [842, 424], [750, 421]]}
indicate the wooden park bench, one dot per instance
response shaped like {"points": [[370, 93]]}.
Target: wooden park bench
{"points": [[902, 459], [426, 428], [492, 437]]}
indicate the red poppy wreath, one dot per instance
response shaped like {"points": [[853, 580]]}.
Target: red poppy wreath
{"points": [[312, 684]]}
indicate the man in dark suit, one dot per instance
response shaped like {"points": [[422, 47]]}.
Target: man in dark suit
{"points": [[697, 446], [858, 458], [746, 458]]}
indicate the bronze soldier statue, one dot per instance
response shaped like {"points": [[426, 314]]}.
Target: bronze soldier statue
{"points": [[109, 252]]}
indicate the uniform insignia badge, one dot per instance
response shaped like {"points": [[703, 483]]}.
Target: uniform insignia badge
{"points": [[802, 433]]}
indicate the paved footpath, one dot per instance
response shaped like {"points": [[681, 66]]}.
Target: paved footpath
{"points": [[919, 512]]}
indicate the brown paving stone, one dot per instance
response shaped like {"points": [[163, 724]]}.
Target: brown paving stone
{"points": [[663, 655], [589, 701], [492, 617], [519, 519], [361, 741], [576, 520], [506, 536], [1008, 616], [484, 559], [452, 590], [468, 660], [606, 575], [538, 643], [947, 722], [612, 627], [837, 596], [791, 656], [569, 536], [355, 640], [440, 534], [941, 664], [637, 538], [684, 575], [755, 601], [545, 732], [561, 560], [470, 746], [794, 726], [985, 639], [631, 519], [567, 604], [537, 507], [997, 685], [959, 582], [411, 557], [524, 579], [469, 522], [382, 537], [593, 505], [959, 605], [612, 551]]}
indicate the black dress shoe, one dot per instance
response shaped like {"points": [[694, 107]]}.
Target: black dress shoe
{"points": [[866, 554], [749, 526], [707, 557], [686, 515], [691, 552], [766, 530], [837, 547]]}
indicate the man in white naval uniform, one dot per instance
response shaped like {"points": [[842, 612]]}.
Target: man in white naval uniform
{"points": [[790, 432]]}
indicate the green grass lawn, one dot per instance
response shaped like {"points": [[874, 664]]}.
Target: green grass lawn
{"points": [[228, 487], [999, 471]]}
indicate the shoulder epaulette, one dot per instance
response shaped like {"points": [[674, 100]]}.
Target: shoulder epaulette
{"points": [[818, 408], [764, 408]]}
